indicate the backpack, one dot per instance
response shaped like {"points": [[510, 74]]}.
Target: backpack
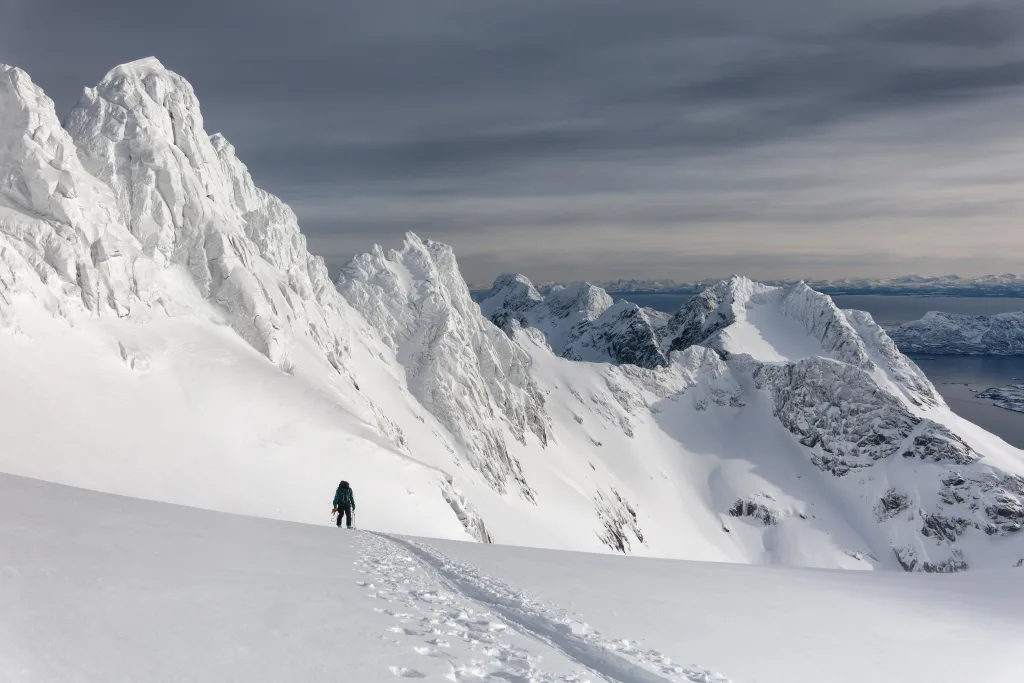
{"points": [[344, 495]]}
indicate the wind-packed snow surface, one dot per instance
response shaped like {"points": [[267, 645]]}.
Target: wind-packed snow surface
{"points": [[164, 333], [966, 335], [100, 588]]}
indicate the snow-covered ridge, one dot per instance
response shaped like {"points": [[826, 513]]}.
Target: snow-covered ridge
{"points": [[950, 333], [166, 313], [149, 235], [838, 384], [579, 321], [472, 377], [189, 201], [61, 240]]}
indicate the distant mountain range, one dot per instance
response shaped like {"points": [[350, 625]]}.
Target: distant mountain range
{"points": [[1005, 285]]}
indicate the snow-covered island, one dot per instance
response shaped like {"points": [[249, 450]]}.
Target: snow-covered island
{"points": [[954, 334], [1010, 398]]}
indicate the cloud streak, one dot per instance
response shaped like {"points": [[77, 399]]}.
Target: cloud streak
{"points": [[662, 138]]}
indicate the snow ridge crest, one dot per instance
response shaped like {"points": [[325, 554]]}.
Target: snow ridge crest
{"points": [[463, 369], [579, 321], [189, 202]]}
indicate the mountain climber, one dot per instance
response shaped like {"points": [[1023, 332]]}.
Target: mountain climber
{"points": [[344, 504]]}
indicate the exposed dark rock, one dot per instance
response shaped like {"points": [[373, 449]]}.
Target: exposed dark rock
{"points": [[955, 563], [756, 510], [943, 528], [1006, 512], [838, 410], [891, 504], [908, 559], [618, 518]]}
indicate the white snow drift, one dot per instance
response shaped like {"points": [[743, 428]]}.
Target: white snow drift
{"points": [[166, 334]]}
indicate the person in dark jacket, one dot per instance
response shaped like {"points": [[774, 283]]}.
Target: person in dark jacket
{"points": [[344, 503]]}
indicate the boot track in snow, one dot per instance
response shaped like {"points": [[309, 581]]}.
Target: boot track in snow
{"points": [[506, 632]]}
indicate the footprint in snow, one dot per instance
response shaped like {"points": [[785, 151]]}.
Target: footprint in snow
{"points": [[405, 672], [404, 631], [439, 642]]}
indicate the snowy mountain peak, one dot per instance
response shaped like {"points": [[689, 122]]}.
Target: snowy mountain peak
{"points": [[191, 203], [787, 324], [468, 374], [509, 299], [144, 65], [153, 96], [581, 300], [513, 286], [579, 321], [713, 309], [61, 240]]}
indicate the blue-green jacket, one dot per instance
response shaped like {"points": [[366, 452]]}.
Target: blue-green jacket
{"points": [[343, 497]]}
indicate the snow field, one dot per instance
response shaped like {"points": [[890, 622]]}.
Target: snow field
{"points": [[97, 588]]}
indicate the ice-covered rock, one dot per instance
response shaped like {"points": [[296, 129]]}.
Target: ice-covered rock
{"points": [[950, 333], [61, 237], [463, 369], [190, 202], [837, 411]]}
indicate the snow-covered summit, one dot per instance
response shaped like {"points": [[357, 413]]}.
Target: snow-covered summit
{"points": [[189, 201], [470, 375], [61, 239], [579, 321], [786, 324], [580, 299], [950, 333]]}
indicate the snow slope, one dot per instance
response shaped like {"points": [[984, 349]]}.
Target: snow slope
{"points": [[969, 335], [99, 588], [164, 333]]}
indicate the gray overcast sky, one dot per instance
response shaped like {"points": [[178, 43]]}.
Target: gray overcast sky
{"points": [[573, 139]]}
